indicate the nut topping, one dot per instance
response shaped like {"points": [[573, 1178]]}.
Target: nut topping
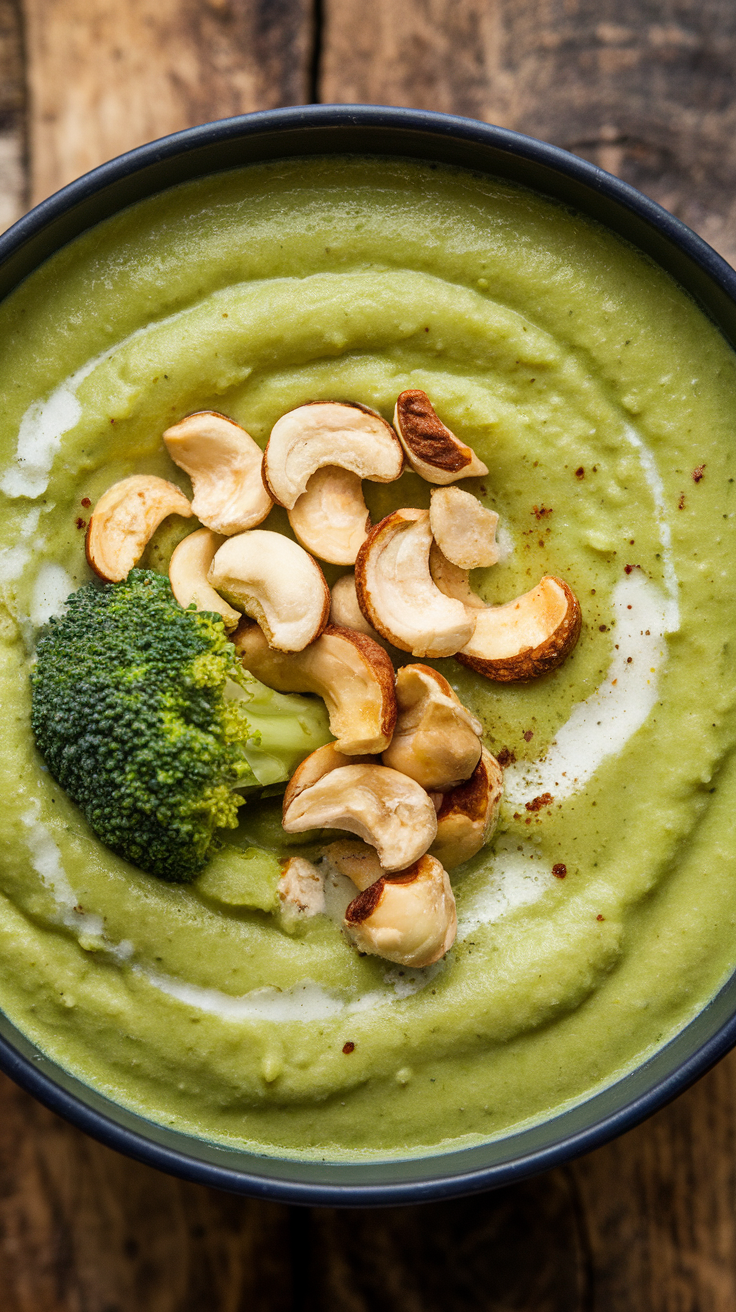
{"points": [[387, 809], [452, 580], [277, 583], [467, 815], [328, 433], [356, 860], [432, 450], [436, 740], [314, 767], [224, 464], [526, 637], [397, 594], [188, 576], [345, 612], [126, 518], [331, 518], [463, 529], [409, 917], [301, 890], [350, 671]]}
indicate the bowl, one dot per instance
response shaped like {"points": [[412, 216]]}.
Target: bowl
{"points": [[323, 130]]}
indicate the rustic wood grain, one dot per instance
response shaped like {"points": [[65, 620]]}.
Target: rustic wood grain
{"points": [[647, 1224], [13, 180], [645, 88], [522, 1250], [106, 75], [660, 1206], [85, 1230]]}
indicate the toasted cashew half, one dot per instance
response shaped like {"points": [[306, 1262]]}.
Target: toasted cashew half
{"points": [[314, 767], [350, 671], [224, 464], [345, 611], [408, 918], [331, 518], [467, 815], [328, 433], [387, 809], [436, 741], [301, 890], [356, 860], [463, 529], [526, 637], [277, 583], [452, 580], [188, 569], [432, 450], [126, 518], [397, 594]]}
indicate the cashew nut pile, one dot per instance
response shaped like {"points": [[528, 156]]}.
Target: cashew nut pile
{"points": [[407, 773]]}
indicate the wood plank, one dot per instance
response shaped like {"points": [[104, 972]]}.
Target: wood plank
{"points": [[83, 1229], [646, 1224], [658, 1206], [519, 1250], [13, 185], [642, 87], [107, 75]]}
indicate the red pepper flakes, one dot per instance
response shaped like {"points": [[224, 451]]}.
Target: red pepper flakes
{"points": [[536, 804], [580, 473], [603, 628], [541, 511], [681, 502], [599, 917], [628, 569], [81, 523], [559, 871], [698, 473], [505, 757], [86, 502], [348, 1048], [528, 735]]}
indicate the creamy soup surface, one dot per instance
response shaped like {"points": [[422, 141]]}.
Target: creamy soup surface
{"points": [[604, 404]]}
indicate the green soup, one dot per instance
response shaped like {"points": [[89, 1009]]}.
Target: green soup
{"points": [[595, 924]]}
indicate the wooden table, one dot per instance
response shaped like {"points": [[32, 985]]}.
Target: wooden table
{"points": [[646, 89]]}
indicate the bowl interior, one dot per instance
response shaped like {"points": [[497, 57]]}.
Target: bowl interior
{"points": [[320, 130]]}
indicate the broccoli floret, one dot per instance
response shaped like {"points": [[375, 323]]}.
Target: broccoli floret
{"points": [[134, 713]]}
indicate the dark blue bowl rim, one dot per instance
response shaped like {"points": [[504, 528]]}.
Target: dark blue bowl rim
{"points": [[101, 1120]]}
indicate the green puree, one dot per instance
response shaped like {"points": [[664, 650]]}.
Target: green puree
{"points": [[592, 387]]}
